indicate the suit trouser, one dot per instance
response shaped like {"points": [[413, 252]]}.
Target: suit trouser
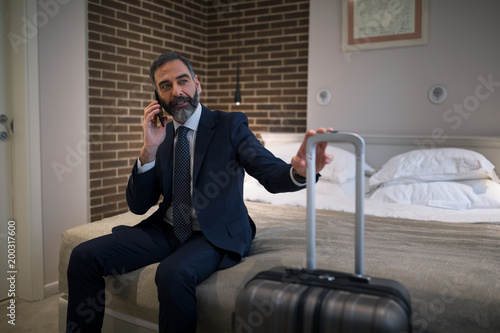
{"points": [[181, 268]]}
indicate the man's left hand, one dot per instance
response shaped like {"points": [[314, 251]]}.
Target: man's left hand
{"points": [[299, 161]]}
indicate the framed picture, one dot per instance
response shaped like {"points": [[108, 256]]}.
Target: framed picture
{"points": [[374, 24]]}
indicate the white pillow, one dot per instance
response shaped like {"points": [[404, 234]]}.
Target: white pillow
{"points": [[340, 170], [343, 166], [440, 164], [465, 194]]}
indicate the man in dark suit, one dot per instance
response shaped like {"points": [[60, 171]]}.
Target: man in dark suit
{"points": [[191, 239]]}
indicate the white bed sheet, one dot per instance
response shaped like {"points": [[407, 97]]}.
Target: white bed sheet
{"points": [[340, 197]]}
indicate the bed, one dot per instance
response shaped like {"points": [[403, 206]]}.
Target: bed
{"points": [[448, 258], [401, 174]]}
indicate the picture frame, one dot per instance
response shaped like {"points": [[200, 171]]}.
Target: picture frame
{"points": [[369, 24]]}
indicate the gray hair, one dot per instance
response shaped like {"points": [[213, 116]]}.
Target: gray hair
{"points": [[167, 57]]}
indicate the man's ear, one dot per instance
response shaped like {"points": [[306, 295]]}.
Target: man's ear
{"points": [[198, 84]]}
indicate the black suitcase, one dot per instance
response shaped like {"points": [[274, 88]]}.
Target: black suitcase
{"points": [[291, 300]]}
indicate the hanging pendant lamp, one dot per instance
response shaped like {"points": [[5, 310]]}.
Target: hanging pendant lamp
{"points": [[237, 94]]}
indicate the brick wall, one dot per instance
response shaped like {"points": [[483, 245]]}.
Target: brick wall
{"points": [[270, 38]]}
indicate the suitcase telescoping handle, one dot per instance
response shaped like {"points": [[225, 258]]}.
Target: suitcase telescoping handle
{"points": [[359, 146]]}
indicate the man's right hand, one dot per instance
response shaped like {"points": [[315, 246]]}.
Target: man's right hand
{"points": [[153, 134]]}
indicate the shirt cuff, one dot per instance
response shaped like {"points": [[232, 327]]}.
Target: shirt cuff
{"points": [[294, 180], [146, 167]]}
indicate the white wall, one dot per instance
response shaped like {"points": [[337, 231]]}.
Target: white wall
{"points": [[63, 109], [385, 91]]}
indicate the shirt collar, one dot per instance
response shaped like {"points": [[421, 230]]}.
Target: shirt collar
{"points": [[193, 121]]}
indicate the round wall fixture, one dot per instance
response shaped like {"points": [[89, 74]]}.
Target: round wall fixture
{"points": [[324, 97], [438, 94]]}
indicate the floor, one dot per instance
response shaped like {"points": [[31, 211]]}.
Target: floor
{"points": [[40, 316]]}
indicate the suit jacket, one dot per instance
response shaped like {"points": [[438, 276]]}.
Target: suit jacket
{"points": [[225, 147]]}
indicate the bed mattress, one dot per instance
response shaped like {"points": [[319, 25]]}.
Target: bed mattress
{"points": [[450, 270]]}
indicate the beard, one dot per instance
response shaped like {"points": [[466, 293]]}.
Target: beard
{"points": [[183, 113]]}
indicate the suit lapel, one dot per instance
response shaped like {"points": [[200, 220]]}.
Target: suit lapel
{"points": [[206, 130]]}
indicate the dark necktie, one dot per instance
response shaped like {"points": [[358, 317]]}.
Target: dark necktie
{"points": [[182, 187]]}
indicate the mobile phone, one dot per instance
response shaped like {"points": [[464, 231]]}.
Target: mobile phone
{"points": [[160, 114]]}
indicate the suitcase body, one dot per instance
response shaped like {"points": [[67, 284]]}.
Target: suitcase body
{"points": [[289, 300]]}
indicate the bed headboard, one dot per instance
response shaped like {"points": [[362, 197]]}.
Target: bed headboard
{"points": [[380, 148]]}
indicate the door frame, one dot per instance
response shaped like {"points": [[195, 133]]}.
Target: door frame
{"points": [[6, 221], [26, 154]]}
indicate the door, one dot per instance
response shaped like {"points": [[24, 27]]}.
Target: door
{"points": [[7, 224]]}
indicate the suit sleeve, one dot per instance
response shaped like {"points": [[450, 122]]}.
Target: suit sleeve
{"points": [[142, 190], [272, 172]]}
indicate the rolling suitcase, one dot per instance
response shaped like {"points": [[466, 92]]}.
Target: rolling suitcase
{"points": [[290, 300]]}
